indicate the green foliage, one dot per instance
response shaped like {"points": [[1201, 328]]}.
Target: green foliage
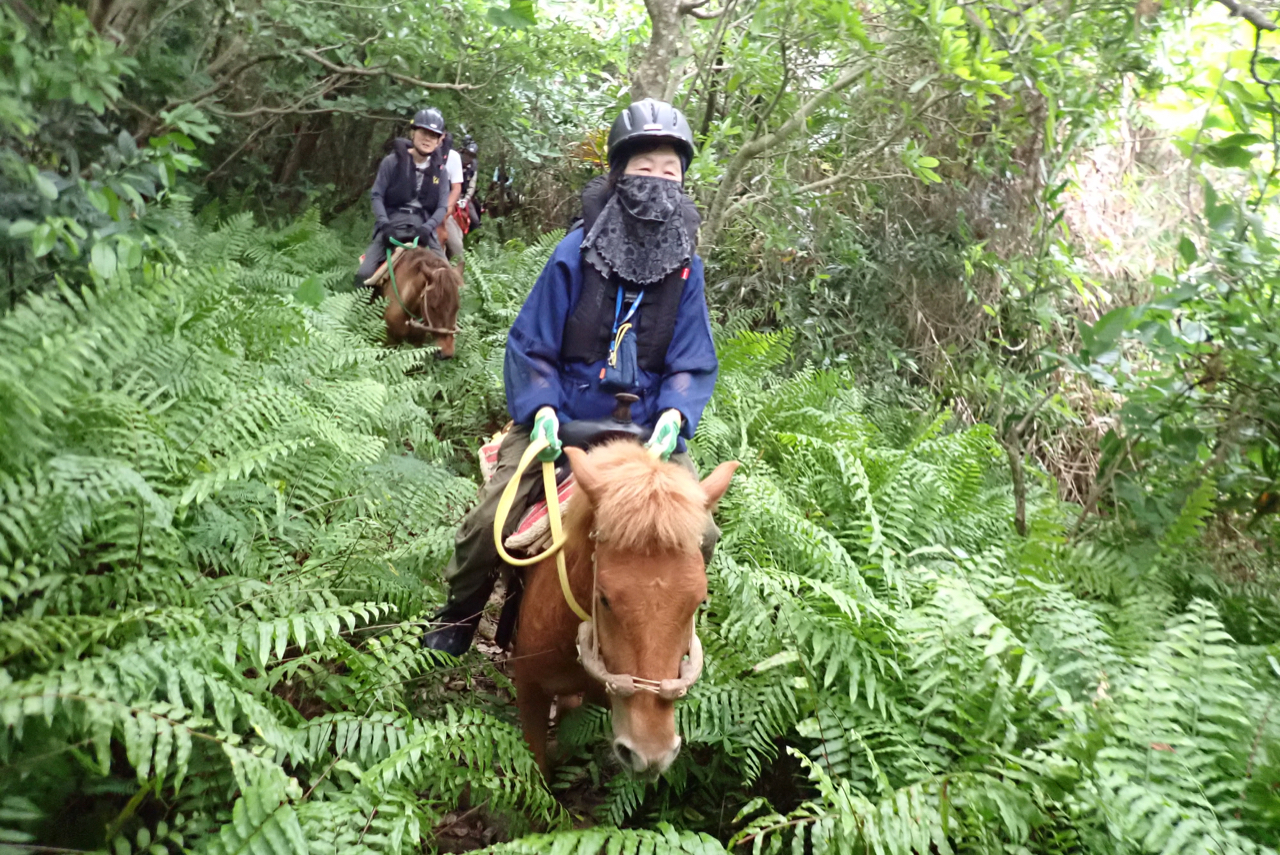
{"points": [[224, 505], [80, 195], [664, 841], [220, 504], [941, 682], [225, 508]]}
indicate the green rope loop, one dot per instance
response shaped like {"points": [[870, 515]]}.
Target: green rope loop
{"points": [[391, 272]]}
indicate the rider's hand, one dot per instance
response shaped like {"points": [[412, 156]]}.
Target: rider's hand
{"points": [[666, 433], [547, 426]]}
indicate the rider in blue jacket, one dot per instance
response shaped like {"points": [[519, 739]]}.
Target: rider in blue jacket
{"points": [[619, 308]]}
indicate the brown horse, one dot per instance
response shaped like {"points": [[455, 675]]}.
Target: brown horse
{"points": [[633, 532], [424, 299]]}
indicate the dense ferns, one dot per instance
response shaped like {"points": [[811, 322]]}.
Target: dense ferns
{"points": [[224, 505]]}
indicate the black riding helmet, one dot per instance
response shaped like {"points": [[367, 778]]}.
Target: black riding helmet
{"points": [[429, 119], [647, 122], [469, 146]]}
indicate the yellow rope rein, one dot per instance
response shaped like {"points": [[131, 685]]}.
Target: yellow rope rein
{"points": [[556, 548]]}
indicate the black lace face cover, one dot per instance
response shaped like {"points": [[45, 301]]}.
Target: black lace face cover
{"points": [[640, 234]]}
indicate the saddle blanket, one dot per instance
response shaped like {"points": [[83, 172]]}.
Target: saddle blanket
{"points": [[533, 534]]}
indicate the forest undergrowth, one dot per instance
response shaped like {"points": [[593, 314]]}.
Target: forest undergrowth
{"points": [[225, 505]]}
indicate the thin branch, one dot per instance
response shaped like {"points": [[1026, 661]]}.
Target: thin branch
{"points": [[763, 118], [1275, 115], [760, 145], [380, 70], [318, 90], [155, 28], [708, 68], [244, 145], [230, 77], [28, 17], [847, 170], [320, 111], [1031, 414], [1250, 14]]}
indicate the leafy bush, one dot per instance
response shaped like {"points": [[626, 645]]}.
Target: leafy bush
{"points": [[80, 196]]}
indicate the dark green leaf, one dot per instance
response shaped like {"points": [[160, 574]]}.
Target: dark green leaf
{"points": [[1187, 249]]}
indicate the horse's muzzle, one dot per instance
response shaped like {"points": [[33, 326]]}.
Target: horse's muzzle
{"points": [[641, 764]]}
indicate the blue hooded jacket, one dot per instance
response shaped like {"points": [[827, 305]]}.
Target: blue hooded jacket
{"points": [[535, 376]]}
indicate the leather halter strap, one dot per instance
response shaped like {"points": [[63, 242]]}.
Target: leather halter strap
{"points": [[626, 685]]}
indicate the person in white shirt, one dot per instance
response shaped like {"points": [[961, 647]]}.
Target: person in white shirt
{"points": [[453, 166]]}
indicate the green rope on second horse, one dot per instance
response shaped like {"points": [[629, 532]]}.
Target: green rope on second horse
{"points": [[391, 272]]}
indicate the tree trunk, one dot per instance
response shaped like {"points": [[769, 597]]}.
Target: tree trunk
{"points": [[1013, 449], [654, 73], [305, 138]]}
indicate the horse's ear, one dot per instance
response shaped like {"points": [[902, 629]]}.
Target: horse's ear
{"points": [[583, 471], [715, 484]]}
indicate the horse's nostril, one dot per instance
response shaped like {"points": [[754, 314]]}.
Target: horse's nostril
{"points": [[624, 754]]}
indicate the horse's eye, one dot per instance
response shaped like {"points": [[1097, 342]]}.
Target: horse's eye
{"points": [[604, 601]]}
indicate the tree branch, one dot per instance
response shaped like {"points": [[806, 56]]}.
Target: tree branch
{"points": [[782, 87], [380, 70], [24, 12], [761, 144], [155, 27], [318, 90], [229, 78], [1250, 14], [850, 166], [244, 145]]}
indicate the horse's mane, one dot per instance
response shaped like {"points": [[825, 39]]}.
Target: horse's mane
{"points": [[439, 279], [644, 505]]}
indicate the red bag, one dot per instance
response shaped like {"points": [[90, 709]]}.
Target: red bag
{"points": [[463, 218]]}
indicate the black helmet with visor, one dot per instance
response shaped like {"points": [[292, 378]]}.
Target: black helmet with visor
{"points": [[429, 119], [645, 123]]}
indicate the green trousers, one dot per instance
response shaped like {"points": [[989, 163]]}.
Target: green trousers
{"points": [[474, 567]]}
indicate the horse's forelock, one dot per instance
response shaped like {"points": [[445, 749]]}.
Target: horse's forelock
{"points": [[423, 274], [417, 261], [442, 294], [643, 504]]}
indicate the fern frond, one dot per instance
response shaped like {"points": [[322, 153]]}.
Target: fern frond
{"points": [[663, 840]]}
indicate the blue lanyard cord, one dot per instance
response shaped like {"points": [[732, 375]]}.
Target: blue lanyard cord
{"points": [[617, 310]]}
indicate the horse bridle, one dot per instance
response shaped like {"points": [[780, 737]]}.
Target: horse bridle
{"points": [[626, 685]]}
